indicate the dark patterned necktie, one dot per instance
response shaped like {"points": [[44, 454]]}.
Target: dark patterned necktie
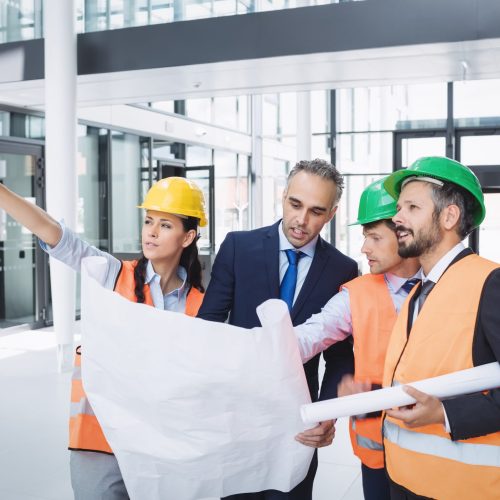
{"points": [[409, 284]]}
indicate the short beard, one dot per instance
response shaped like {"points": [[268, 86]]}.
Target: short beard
{"points": [[423, 243]]}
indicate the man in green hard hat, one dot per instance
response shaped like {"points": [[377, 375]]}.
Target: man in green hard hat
{"points": [[366, 307], [449, 449]]}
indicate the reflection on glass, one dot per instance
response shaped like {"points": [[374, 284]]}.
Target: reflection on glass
{"points": [[17, 246], [415, 148], [490, 228], [126, 192], [480, 150]]}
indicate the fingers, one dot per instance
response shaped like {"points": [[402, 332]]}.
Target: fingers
{"points": [[348, 386], [427, 410], [319, 436]]}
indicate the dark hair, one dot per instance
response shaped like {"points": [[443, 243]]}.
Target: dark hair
{"points": [[452, 194], [322, 169], [189, 261], [387, 222]]}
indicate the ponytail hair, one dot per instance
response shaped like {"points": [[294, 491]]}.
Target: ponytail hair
{"points": [[189, 261], [189, 257], [140, 278]]}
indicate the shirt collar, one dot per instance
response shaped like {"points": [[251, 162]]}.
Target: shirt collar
{"points": [[181, 273], [440, 267], [396, 282], [307, 249]]}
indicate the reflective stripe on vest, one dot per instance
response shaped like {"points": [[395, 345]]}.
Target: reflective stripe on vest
{"points": [[373, 316], [453, 470], [365, 442], [429, 444], [85, 433]]}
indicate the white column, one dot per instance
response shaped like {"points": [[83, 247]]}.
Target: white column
{"points": [[256, 201], [304, 128], [60, 154]]}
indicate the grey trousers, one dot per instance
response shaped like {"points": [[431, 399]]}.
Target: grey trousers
{"points": [[96, 476]]}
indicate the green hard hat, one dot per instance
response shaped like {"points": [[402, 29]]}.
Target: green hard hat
{"points": [[375, 204], [444, 169]]}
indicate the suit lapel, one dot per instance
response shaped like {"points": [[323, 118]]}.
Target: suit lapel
{"points": [[271, 246], [315, 271]]}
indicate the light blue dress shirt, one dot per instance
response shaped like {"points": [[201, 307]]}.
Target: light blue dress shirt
{"points": [[304, 262], [71, 249], [334, 322]]}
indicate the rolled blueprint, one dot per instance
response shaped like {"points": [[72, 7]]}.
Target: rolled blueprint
{"points": [[480, 378]]}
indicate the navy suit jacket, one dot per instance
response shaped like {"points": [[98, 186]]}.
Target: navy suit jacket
{"points": [[246, 273]]}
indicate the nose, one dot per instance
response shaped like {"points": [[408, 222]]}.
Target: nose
{"points": [[302, 217], [398, 218], [365, 249], [153, 230]]}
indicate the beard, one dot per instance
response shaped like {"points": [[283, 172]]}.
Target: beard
{"points": [[423, 242]]}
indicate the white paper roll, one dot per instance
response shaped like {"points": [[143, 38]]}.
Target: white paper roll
{"points": [[480, 378]]}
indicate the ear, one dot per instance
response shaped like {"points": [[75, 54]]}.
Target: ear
{"points": [[450, 217], [189, 237]]}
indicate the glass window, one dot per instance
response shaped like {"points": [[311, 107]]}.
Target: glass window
{"points": [[199, 109], [274, 175], [391, 107], [225, 111], [231, 193], [480, 150], [126, 191], [364, 153], [350, 238], [320, 110], [320, 147], [20, 20], [480, 98], [490, 228], [417, 147]]}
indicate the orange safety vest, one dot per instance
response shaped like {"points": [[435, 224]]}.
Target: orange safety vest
{"points": [[373, 316], [425, 460], [85, 433]]}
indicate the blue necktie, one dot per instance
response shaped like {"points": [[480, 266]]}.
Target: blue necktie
{"points": [[408, 285], [289, 282]]}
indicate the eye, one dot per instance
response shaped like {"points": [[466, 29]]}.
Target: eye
{"points": [[166, 225], [146, 222]]}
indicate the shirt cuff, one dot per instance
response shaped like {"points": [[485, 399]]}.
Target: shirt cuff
{"points": [[51, 250]]}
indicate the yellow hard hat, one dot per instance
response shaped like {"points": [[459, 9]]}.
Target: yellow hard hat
{"points": [[176, 195]]}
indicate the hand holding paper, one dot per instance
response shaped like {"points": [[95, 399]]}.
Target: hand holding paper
{"points": [[427, 410], [476, 379]]}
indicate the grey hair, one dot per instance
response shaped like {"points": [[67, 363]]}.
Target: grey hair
{"points": [[322, 169], [452, 194]]}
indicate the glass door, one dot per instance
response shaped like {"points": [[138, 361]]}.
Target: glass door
{"points": [[23, 265]]}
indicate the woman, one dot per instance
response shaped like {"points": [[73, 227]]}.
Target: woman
{"points": [[166, 276]]}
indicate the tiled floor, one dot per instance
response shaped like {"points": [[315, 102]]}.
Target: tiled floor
{"points": [[33, 428]]}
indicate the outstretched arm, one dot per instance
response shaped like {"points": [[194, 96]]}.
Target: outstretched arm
{"points": [[37, 220]]}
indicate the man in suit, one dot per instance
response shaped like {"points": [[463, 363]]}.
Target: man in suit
{"points": [[449, 449], [288, 260]]}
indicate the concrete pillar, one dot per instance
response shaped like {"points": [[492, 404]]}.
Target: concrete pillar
{"points": [[60, 154], [304, 127]]}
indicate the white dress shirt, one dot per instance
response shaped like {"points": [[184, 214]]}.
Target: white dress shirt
{"points": [[71, 249], [334, 322]]}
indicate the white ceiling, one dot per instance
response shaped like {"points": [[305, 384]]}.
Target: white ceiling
{"points": [[419, 63]]}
